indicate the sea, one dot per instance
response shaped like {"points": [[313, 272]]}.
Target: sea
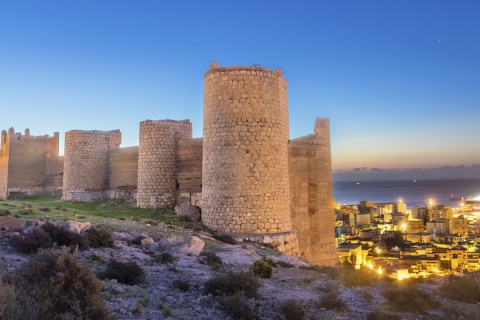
{"points": [[412, 192]]}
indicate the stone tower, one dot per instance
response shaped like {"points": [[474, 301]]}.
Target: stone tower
{"points": [[157, 174], [86, 163], [245, 187]]}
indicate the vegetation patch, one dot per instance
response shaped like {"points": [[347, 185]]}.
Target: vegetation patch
{"points": [[409, 298], [181, 284], [292, 310], [164, 257], [362, 277], [125, 272], [262, 269], [464, 289], [223, 237], [231, 283], [209, 258], [55, 285], [100, 238], [237, 307]]}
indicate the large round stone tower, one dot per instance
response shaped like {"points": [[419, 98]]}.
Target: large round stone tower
{"points": [[245, 154], [85, 175], [157, 174]]}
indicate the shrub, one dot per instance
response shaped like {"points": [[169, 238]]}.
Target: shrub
{"points": [[464, 289], [164, 257], [180, 284], [361, 277], [233, 282], [331, 272], [225, 238], [262, 269], [270, 262], [31, 242], [331, 301], [409, 299], [327, 286], [459, 311], [55, 285], [100, 238], [292, 310], [237, 307], [166, 310], [144, 300], [64, 237], [125, 272], [7, 294], [26, 211], [209, 258]]}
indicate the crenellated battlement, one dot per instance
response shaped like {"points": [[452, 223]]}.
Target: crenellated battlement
{"points": [[28, 164]]}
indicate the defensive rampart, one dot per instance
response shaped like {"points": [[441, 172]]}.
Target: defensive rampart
{"points": [[123, 173], [86, 163], [312, 195], [26, 163]]}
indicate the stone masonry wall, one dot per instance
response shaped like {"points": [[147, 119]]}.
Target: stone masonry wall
{"points": [[86, 163], [157, 179], [123, 165], [189, 165], [24, 163], [312, 195], [123, 173], [4, 151], [245, 156]]}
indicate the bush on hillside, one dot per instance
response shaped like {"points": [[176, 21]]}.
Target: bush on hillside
{"points": [[363, 277], [292, 310], [409, 298], [237, 307], [262, 269], [31, 242], [232, 283], [55, 285], [63, 237], [223, 237], [464, 289], [209, 258], [100, 238], [125, 272]]}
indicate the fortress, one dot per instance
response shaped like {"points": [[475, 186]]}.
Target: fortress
{"points": [[245, 175]]}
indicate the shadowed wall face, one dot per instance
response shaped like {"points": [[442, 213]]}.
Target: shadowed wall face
{"points": [[245, 157], [312, 195]]}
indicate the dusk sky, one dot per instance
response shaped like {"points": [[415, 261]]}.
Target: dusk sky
{"points": [[399, 80]]}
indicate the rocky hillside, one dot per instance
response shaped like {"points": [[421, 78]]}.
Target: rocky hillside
{"points": [[188, 274]]}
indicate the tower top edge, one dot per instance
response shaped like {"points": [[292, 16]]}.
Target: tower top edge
{"points": [[215, 68]]}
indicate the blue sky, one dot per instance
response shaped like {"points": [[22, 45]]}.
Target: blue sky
{"points": [[399, 80]]}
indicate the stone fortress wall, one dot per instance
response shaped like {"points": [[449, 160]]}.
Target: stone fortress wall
{"points": [[312, 194], [86, 168], [123, 173], [29, 164], [245, 174]]}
